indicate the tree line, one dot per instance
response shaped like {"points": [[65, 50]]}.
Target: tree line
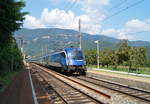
{"points": [[125, 55], [11, 19]]}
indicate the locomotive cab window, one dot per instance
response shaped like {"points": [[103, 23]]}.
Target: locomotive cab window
{"points": [[77, 55]]}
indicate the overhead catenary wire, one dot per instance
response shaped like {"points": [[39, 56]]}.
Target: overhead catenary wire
{"points": [[124, 9], [119, 4], [72, 5]]}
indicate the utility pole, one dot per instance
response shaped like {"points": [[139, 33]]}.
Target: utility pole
{"points": [[80, 34], [97, 42]]}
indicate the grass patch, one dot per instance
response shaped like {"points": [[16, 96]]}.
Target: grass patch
{"points": [[6, 80], [142, 70]]}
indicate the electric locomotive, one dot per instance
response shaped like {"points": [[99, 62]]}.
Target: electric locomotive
{"points": [[68, 61]]}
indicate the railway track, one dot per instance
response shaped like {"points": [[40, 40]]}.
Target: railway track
{"points": [[67, 92], [53, 95], [137, 93]]}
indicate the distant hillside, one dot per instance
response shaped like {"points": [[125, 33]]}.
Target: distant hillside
{"points": [[54, 39]]}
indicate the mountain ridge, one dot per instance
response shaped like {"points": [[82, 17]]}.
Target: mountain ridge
{"points": [[55, 38]]}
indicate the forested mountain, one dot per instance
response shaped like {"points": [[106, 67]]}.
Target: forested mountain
{"points": [[53, 39]]}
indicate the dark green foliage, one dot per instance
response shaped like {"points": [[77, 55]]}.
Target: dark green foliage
{"points": [[123, 52], [137, 57], [91, 57], [11, 18], [11, 59], [105, 58]]}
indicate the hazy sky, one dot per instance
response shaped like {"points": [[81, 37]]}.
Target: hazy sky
{"points": [[122, 19]]}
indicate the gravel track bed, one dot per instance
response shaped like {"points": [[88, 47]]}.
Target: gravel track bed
{"points": [[53, 98], [135, 82], [116, 97], [71, 95]]}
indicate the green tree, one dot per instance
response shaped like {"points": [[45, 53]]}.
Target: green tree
{"points": [[105, 58], [10, 20], [91, 57], [137, 57], [134, 57], [114, 58], [11, 59], [123, 52]]}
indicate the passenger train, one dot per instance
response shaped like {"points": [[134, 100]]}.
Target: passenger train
{"points": [[67, 61]]}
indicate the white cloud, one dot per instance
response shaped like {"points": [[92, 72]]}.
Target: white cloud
{"points": [[68, 20], [130, 29], [93, 8], [133, 26], [91, 18], [57, 18], [137, 25], [32, 22], [61, 19]]}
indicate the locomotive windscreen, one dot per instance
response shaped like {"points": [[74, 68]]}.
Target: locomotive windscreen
{"points": [[77, 55]]}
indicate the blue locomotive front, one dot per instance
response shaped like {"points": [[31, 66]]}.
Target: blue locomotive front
{"points": [[70, 60]]}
